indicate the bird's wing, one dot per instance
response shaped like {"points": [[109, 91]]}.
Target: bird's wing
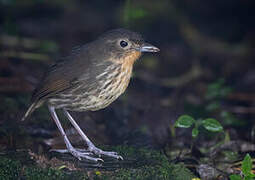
{"points": [[60, 77], [68, 72]]}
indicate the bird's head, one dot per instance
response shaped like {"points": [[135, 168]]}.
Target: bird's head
{"points": [[122, 45]]}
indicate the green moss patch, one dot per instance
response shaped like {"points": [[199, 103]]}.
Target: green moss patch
{"points": [[138, 163]]}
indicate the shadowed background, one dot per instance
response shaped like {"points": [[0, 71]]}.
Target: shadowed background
{"points": [[205, 68]]}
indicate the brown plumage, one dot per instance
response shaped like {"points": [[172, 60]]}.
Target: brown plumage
{"points": [[91, 78]]}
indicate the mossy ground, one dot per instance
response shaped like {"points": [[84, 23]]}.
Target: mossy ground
{"points": [[22, 167], [138, 164]]}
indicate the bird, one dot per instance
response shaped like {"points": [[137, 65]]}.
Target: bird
{"points": [[89, 79]]}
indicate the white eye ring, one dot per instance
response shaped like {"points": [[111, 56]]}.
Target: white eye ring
{"points": [[123, 43]]}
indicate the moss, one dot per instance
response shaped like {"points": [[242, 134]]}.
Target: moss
{"points": [[33, 173], [14, 169], [138, 153], [36, 173], [138, 163], [149, 164], [160, 171], [9, 169]]}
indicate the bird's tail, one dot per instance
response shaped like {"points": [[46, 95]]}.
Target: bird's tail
{"points": [[30, 110]]}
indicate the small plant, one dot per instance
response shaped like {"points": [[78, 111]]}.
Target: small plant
{"points": [[210, 124], [246, 174]]}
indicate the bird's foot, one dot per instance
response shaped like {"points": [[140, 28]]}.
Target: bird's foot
{"points": [[100, 152], [79, 153]]}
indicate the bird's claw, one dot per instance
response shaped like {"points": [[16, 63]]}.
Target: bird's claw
{"points": [[79, 154], [100, 152], [88, 154]]}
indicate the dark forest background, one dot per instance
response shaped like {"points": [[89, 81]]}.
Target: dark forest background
{"points": [[205, 69]]}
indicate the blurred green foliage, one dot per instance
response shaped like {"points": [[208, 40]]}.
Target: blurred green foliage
{"points": [[132, 13], [11, 104], [48, 46], [216, 93], [214, 99], [217, 90]]}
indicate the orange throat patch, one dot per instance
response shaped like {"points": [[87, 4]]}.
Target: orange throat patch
{"points": [[129, 59]]}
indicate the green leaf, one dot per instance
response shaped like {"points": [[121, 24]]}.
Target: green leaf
{"points": [[248, 178], [247, 165], [235, 177], [195, 132], [184, 121], [212, 125]]}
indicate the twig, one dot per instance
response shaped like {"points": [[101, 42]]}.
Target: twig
{"points": [[241, 109], [25, 55], [194, 73], [14, 85]]}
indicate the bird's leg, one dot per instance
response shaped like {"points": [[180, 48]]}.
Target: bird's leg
{"points": [[69, 146], [91, 146]]}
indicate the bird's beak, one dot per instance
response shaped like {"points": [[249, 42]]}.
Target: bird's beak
{"points": [[146, 47]]}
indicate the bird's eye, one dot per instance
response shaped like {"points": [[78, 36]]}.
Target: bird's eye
{"points": [[123, 44]]}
